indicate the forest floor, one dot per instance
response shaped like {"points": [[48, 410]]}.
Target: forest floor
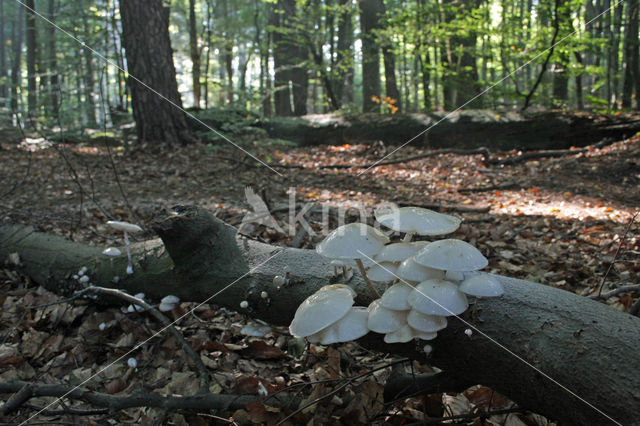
{"points": [[558, 221]]}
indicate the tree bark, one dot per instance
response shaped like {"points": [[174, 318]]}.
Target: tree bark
{"points": [[3, 56], [370, 11], [157, 107], [17, 30], [523, 339], [194, 52], [630, 82], [53, 62], [32, 100]]}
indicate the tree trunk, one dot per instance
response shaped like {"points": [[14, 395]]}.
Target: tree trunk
{"points": [[561, 75], [370, 11], [89, 80], [32, 100], [390, 83], [194, 51], [157, 107], [53, 62], [549, 350], [343, 68], [630, 83], [4, 93], [16, 79]]}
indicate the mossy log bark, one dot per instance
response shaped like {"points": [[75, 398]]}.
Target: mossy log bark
{"points": [[526, 337], [463, 129]]}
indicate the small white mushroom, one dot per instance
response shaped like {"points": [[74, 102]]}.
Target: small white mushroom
{"points": [[170, 299], [417, 220], [264, 295], [84, 279], [396, 297], [438, 297], [426, 323], [482, 285], [451, 255], [125, 227], [166, 307], [350, 327], [383, 271], [354, 241], [412, 271], [468, 332], [83, 270], [102, 326], [279, 281], [383, 320], [324, 307], [132, 362], [244, 304]]}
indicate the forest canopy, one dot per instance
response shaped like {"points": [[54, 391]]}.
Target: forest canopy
{"points": [[291, 57]]}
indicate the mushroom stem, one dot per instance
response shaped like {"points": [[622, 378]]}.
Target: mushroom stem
{"points": [[366, 278], [126, 244], [407, 237]]}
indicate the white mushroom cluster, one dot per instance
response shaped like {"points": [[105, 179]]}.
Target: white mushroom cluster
{"points": [[428, 281]]}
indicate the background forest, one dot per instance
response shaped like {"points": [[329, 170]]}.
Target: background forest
{"points": [[291, 57]]}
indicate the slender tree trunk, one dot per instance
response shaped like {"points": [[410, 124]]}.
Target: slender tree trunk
{"points": [[370, 11], [207, 65], [89, 80], [16, 79], [53, 62], [194, 52], [157, 107], [579, 96], [613, 51], [630, 54], [390, 82], [4, 93], [32, 99], [561, 76], [344, 69]]}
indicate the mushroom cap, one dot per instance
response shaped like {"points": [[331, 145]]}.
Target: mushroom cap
{"points": [[413, 271], [166, 307], [124, 226], [321, 309], [352, 241], [454, 276], [383, 320], [417, 220], [352, 326], [383, 271], [399, 252], [111, 251], [396, 297], [426, 323], [483, 285], [438, 297], [406, 333], [170, 299], [451, 255], [401, 335]]}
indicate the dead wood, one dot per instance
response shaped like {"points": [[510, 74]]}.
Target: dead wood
{"points": [[551, 351]]}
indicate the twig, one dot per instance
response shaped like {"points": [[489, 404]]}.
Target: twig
{"points": [[202, 402], [615, 256], [502, 186], [615, 292], [547, 154]]}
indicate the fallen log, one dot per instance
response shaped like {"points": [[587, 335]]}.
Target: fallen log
{"points": [[553, 352]]}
